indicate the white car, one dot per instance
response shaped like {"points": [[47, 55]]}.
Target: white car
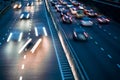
{"points": [[86, 21], [73, 10]]}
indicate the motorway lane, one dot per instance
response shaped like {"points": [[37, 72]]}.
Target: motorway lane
{"points": [[95, 60], [43, 64]]}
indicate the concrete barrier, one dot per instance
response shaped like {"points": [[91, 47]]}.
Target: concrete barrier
{"points": [[77, 64]]}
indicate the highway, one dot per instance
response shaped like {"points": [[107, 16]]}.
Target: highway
{"points": [[100, 54], [44, 59]]}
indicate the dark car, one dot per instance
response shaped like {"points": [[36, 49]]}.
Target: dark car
{"points": [[64, 12], [53, 3], [103, 19], [91, 13], [30, 3], [80, 34], [15, 36], [25, 15], [67, 19]]}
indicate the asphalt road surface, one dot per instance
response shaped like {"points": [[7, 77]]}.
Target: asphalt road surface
{"points": [[21, 62], [100, 54]]}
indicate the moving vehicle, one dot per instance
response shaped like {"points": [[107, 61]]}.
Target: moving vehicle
{"points": [[80, 14], [86, 21], [80, 34], [102, 19], [25, 15], [17, 5], [15, 36], [67, 19]]}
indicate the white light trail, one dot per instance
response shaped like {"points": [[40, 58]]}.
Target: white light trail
{"points": [[9, 37], [24, 56], [36, 45], [22, 67], [20, 78], [25, 45], [20, 37], [36, 31], [45, 32]]}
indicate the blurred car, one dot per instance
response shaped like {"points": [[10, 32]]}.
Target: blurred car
{"points": [[80, 34], [81, 6], [30, 3], [63, 2], [69, 6], [86, 21], [59, 8], [67, 19], [54, 3], [17, 5], [25, 15], [87, 9], [103, 19], [80, 14], [64, 12], [91, 13], [15, 35], [73, 10], [75, 3]]}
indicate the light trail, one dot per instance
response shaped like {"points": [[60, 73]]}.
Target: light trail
{"points": [[25, 45], [36, 45], [20, 37], [9, 37], [45, 32], [36, 31]]}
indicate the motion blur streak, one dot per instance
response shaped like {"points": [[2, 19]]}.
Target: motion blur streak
{"points": [[68, 58], [20, 37], [25, 45], [45, 32], [22, 67], [20, 78], [9, 37], [24, 56], [36, 31], [36, 45], [37, 59]]}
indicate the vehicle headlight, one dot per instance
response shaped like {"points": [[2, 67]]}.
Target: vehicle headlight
{"points": [[21, 15], [28, 15]]}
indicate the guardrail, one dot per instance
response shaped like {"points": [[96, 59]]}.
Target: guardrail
{"points": [[4, 9], [77, 64]]}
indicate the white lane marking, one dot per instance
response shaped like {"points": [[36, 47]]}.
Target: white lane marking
{"points": [[36, 45], [24, 56], [20, 78], [102, 49], [56, 52], [96, 42], [20, 37], [109, 56], [36, 31], [118, 65], [22, 67], [25, 45], [45, 32], [9, 37]]}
